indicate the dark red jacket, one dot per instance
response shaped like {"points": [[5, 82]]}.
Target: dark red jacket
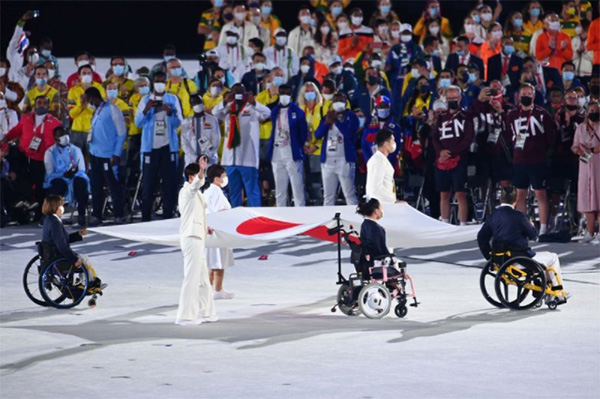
{"points": [[25, 131], [454, 132], [487, 121], [540, 131]]}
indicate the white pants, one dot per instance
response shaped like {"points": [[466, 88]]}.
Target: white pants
{"points": [[286, 172], [196, 298], [550, 259], [336, 171]]}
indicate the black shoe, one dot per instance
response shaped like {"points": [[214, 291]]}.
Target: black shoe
{"points": [[81, 221]]}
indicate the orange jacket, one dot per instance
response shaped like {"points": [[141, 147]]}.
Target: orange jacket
{"points": [[593, 41], [363, 35], [557, 56], [487, 52]]}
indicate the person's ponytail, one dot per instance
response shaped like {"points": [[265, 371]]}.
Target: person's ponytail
{"points": [[367, 206]]}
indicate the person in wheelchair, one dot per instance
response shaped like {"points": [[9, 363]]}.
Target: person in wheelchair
{"points": [[509, 230], [56, 240]]}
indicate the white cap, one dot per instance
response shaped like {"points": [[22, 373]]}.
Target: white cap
{"points": [[335, 60], [280, 30], [234, 30], [212, 53], [406, 27]]}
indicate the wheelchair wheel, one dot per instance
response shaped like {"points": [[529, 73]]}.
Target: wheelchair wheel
{"points": [[486, 283], [63, 285], [516, 279], [375, 301], [31, 281], [401, 310], [345, 301]]}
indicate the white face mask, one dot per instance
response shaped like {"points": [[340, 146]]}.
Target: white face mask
{"points": [[327, 97], [578, 30], [337, 70], [214, 91], [414, 72], [356, 21], [232, 39], [325, 29], [554, 25], [304, 68], [376, 64], [240, 16], [406, 38], [198, 108], [342, 25], [64, 140], [582, 102], [486, 16], [281, 40], [497, 34], [86, 79], [394, 147], [469, 28], [2, 71], [383, 30], [51, 73], [339, 106], [395, 34], [305, 19], [159, 87], [260, 66], [225, 182], [284, 100], [434, 30], [383, 113]]}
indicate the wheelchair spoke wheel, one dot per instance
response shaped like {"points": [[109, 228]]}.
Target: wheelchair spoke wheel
{"points": [[31, 283], [374, 300], [486, 283], [63, 285], [520, 283], [345, 301]]}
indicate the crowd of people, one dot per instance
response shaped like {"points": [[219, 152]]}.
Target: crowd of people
{"points": [[296, 110]]}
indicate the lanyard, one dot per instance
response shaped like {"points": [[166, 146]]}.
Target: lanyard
{"points": [[97, 114], [68, 150], [41, 126], [197, 129]]}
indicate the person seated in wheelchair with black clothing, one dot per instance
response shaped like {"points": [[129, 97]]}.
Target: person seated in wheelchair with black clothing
{"points": [[509, 230]]}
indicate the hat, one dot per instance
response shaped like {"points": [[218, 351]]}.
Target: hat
{"points": [[336, 60], [420, 62], [406, 27], [234, 30], [382, 100], [212, 53], [280, 30]]}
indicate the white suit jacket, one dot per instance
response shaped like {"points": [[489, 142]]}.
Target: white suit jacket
{"points": [[192, 208], [380, 179]]}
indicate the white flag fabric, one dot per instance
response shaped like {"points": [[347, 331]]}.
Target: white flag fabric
{"points": [[250, 227]]}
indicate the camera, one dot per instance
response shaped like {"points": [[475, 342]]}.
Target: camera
{"points": [[493, 92]]}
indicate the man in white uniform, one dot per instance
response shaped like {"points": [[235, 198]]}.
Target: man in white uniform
{"points": [[196, 304], [380, 173], [200, 134]]}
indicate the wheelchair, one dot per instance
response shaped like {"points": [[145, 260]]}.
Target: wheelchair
{"points": [[519, 282], [54, 281], [377, 282]]}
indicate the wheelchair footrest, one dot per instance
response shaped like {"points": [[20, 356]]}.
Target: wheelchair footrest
{"points": [[415, 303]]}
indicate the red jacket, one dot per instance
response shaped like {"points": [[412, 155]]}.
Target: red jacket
{"points": [[557, 56], [25, 131], [74, 79]]}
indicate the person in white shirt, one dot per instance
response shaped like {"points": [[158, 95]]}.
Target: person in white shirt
{"points": [[280, 55], [302, 35], [196, 303], [247, 30], [8, 117], [218, 259], [233, 55], [380, 173], [200, 134]]}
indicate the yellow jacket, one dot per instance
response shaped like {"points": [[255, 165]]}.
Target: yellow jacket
{"points": [[125, 88], [183, 92], [134, 101], [49, 92], [81, 116], [265, 98], [313, 119], [210, 102]]}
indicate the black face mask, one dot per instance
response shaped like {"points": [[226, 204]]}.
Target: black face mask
{"points": [[424, 89], [453, 105], [572, 107], [41, 111], [228, 16], [526, 101], [372, 80], [594, 116], [465, 77]]}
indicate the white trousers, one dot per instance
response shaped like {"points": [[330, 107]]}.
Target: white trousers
{"points": [[550, 259], [196, 298], [334, 172], [286, 172]]}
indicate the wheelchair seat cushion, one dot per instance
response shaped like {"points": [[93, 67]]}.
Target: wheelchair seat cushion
{"points": [[377, 272]]}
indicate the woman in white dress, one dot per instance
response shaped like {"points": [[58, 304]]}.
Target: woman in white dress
{"points": [[218, 259]]}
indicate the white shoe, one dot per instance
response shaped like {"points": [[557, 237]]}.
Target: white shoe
{"points": [[596, 240], [189, 322], [210, 319], [223, 295], [587, 238]]}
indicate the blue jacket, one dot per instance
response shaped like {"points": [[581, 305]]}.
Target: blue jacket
{"points": [[508, 226], [61, 160], [348, 127], [345, 82], [298, 131], [55, 233], [146, 122], [251, 81], [368, 138], [108, 131], [363, 100]]}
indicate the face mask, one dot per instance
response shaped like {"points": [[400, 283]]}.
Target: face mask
{"points": [[64, 141], [383, 30], [361, 122], [284, 100], [436, 52], [325, 30], [460, 53], [445, 82], [2, 71], [594, 116], [383, 113], [395, 34], [572, 107], [406, 38], [46, 53], [356, 21], [260, 67], [218, 3], [144, 90], [394, 147], [526, 101], [434, 11], [336, 11], [518, 22], [472, 77], [582, 102], [313, 23], [304, 68], [267, 10], [51, 73], [86, 79], [239, 97], [568, 75], [214, 91], [159, 87], [40, 81], [554, 25], [256, 20], [414, 72], [476, 18], [337, 70], [168, 57], [578, 30], [281, 40], [339, 106], [118, 70], [278, 81], [376, 64], [453, 105], [176, 72], [92, 107], [372, 80], [497, 34], [34, 58], [228, 16], [112, 94], [240, 16], [534, 12], [385, 9], [508, 50], [231, 40], [198, 108], [486, 16], [225, 182], [310, 96], [328, 97], [41, 111], [305, 19], [342, 26], [434, 30], [469, 28]]}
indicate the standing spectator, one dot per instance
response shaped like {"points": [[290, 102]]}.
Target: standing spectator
{"points": [[506, 66], [46, 53], [280, 55], [304, 34], [521, 36], [582, 58], [587, 146], [108, 133], [134, 139], [18, 50], [593, 42], [79, 111], [553, 46], [34, 134], [252, 80], [13, 92], [8, 117], [310, 102], [209, 26], [82, 58], [247, 30], [433, 11], [474, 32], [487, 18], [353, 39], [544, 78], [62, 92], [118, 75], [532, 14], [285, 151], [434, 31], [169, 53], [233, 55], [451, 139], [380, 174], [344, 80], [462, 55], [466, 82], [385, 12], [321, 69], [268, 21], [492, 46], [338, 130], [65, 173], [569, 81], [200, 134], [380, 119], [159, 116], [306, 74], [241, 114], [269, 97], [433, 53], [381, 43], [326, 43], [214, 95], [42, 88], [568, 18], [180, 86], [368, 91], [534, 134]]}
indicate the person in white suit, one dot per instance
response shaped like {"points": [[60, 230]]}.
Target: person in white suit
{"points": [[218, 259], [196, 304], [380, 172]]}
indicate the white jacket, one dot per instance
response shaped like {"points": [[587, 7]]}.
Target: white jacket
{"points": [[192, 208], [298, 39], [286, 59], [247, 153], [248, 32], [380, 179], [210, 137]]}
